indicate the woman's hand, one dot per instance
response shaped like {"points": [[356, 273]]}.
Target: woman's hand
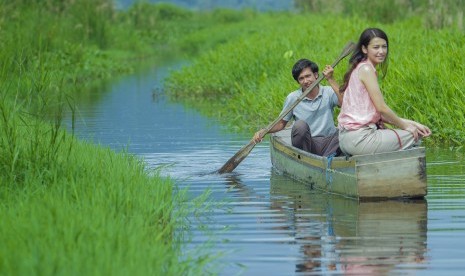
{"points": [[423, 130], [412, 129]]}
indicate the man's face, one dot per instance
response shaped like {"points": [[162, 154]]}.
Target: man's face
{"points": [[306, 78]]}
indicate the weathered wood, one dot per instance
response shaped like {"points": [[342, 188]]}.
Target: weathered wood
{"points": [[237, 158], [400, 174]]}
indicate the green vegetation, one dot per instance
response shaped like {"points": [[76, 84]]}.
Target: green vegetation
{"points": [[247, 79], [75, 43], [435, 14], [67, 206], [70, 208]]}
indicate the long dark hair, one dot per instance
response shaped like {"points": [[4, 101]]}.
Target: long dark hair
{"points": [[358, 55]]}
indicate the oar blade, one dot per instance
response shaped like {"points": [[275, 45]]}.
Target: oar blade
{"points": [[234, 161]]}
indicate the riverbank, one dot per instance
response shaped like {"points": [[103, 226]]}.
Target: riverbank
{"points": [[424, 81], [68, 206]]}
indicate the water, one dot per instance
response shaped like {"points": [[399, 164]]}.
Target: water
{"points": [[268, 224]]}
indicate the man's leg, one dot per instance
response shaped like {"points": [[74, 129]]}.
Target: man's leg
{"points": [[301, 136], [319, 145], [328, 145]]}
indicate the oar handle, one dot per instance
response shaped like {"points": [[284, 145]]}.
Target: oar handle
{"points": [[245, 150], [345, 52]]}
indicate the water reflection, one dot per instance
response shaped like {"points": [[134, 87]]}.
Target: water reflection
{"points": [[272, 225], [342, 235]]}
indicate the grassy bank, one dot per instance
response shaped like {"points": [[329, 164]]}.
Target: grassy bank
{"points": [[69, 207], [74, 43], [434, 14], [248, 79]]}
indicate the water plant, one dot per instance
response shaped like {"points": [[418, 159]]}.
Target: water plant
{"points": [[68, 206], [425, 71]]}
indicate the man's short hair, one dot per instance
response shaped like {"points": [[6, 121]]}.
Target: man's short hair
{"points": [[300, 65]]}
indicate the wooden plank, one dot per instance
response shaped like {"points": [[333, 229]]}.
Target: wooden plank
{"points": [[309, 158], [395, 155], [385, 175], [342, 182], [398, 177]]}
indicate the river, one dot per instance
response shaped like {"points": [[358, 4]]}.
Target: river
{"points": [[261, 223]]}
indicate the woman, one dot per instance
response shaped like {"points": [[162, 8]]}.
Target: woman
{"points": [[364, 112]]}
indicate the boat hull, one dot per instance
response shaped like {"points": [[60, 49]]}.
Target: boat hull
{"points": [[400, 174]]}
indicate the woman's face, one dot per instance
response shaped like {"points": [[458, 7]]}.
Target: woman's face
{"points": [[376, 50]]}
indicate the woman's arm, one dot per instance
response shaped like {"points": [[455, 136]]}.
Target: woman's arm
{"points": [[369, 79]]}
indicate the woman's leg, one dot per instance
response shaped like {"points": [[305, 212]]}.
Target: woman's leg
{"points": [[370, 140]]}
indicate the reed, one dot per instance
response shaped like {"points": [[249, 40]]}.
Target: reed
{"points": [[247, 79], [70, 207], [434, 14], [67, 206]]}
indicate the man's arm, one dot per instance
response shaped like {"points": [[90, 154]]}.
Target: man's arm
{"points": [[328, 73], [258, 136]]}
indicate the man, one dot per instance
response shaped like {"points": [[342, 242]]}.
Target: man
{"points": [[313, 130]]}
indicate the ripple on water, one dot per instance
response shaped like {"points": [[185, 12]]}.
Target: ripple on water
{"points": [[264, 222]]}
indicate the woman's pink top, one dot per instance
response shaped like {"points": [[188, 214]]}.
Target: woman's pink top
{"points": [[357, 109]]}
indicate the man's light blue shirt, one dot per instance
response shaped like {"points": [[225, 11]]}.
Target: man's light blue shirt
{"points": [[318, 113]]}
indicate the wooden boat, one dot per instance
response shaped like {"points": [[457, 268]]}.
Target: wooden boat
{"points": [[400, 174]]}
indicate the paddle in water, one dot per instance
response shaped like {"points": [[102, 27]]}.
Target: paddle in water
{"points": [[234, 161]]}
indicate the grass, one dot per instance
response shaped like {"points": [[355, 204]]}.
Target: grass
{"points": [[67, 206], [70, 207], [424, 81]]}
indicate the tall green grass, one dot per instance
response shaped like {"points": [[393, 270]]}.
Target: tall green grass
{"points": [[435, 14], [67, 206], [247, 79], [70, 207], [78, 42]]}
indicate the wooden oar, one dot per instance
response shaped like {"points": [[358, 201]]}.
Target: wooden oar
{"points": [[234, 161]]}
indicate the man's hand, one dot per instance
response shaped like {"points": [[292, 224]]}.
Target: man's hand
{"points": [[328, 72], [258, 136]]}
